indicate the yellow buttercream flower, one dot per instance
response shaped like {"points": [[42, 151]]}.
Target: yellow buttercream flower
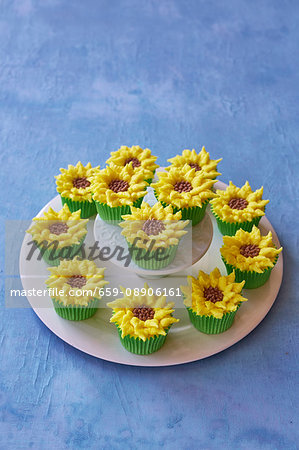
{"points": [[201, 162], [75, 182], [118, 187], [63, 227], [213, 294], [250, 251], [76, 281], [183, 187], [153, 224], [142, 316], [139, 159], [239, 204]]}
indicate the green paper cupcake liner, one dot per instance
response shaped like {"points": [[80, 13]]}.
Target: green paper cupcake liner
{"points": [[113, 214], [150, 262], [53, 257], [211, 325], [76, 313], [252, 279], [88, 209], [194, 213], [140, 347], [230, 229]]}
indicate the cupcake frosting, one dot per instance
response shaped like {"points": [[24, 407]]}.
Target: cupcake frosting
{"points": [[140, 159], [239, 204], [77, 281], [75, 182], [250, 251], [154, 224], [63, 227], [142, 316], [183, 187], [213, 294], [201, 162], [118, 187]]}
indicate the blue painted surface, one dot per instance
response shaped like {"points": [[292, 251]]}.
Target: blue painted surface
{"points": [[77, 80]]}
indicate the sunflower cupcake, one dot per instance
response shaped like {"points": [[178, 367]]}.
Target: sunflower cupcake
{"points": [[251, 255], [139, 159], [58, 235], [142, 321], [185, 190], [74, 187], [75, 288], [153, 234], [201, 162], [236, 208], [116, 190], [212, 301]]}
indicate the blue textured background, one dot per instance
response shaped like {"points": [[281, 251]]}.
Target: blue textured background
{"points": [[77, 80]]}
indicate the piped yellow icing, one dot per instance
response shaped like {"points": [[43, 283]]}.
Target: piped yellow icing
{"points": [[68, 295], [173, 226], [144, 156], [264, 260], [208, 167], [40, 230], [199, 194], [102, 193], [130, 325], [194, 293], [255, 207], [65, 181]]}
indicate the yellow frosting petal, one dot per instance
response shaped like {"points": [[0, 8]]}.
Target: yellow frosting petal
{"points": [[102, 193], [130, 325], [200, 193], [143, 157], [254, 208], [65, 180], [69, 295], [206, 166], [173, 226], [40, 230], [194, 293], [266, 258]]}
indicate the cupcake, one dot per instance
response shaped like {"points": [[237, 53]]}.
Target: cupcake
{"points": [[201, 162], [153, 235], [236, 208], [212, 301], [75, 288], [140, 160], [58, 235], [251, 255], [142, 321], [115, 190], [74, 187], [185, 190]]}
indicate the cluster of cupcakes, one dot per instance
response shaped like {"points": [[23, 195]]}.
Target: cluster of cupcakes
{"points": [[183, 192]]}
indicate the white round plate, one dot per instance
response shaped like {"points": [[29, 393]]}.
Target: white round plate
{"points": [[191, 249], [97, 337]]}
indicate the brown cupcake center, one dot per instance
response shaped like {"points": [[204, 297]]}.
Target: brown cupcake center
{"points": [[135, 162], [249, 250], [144, 313], [77, 281], [182, 186], [81, 183], [213, 294], [195, 166], [58, 228], [153, 227], [118, 185], [238, 203]]}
